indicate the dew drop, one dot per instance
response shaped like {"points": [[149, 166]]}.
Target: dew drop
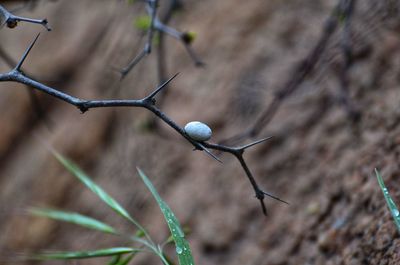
{"points": [[396, 212], [179, 250]]}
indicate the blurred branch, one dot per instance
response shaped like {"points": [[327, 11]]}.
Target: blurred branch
{"points": [[11, 21], [151, 7], [186, 38], [149, 103]]}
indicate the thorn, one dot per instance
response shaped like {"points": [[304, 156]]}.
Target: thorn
{"points": [[124, 71], [264, 209], [210, 154], [19, 65], [163, 85], [254, 143], [274, 197]]}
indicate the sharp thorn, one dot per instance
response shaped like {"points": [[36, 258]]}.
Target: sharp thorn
{"points": [[264, 208], [163, 85], [254, 143], [208, 152], [19, 65], [274, 197]]}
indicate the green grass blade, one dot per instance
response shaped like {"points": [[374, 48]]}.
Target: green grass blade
{"points": [[74, 218], [113, 204], [64, 255], [182, 246], [389, 201]]}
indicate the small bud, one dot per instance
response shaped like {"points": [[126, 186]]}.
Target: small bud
{"points": [[143, 22], [189, 36], [12, 23], [198, 131]]}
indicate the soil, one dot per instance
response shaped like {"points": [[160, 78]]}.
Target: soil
{"points": [[319, 160]]}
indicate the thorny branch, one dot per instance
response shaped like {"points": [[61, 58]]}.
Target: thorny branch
{"points": [[157, 25], [11, 21], [149, 103], [302, 69]]}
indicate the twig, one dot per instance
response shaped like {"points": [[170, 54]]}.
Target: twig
{"points": [[151, 7], [148, 102], [157, 25], [7, 18]]}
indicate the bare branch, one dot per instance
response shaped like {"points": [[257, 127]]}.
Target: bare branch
{"points": [[157, 25], [7, 18], [151, 7], [148, 103]]}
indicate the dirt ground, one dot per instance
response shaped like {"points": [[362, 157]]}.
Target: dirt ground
{"points": [[318, 160]]}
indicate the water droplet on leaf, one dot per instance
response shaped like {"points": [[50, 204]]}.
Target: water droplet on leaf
{"points": [[179, 250], [396, 212]]}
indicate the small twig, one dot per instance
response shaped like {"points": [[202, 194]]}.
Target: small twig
{"points": [[157, 25], [151, 7], [183, 37], [7, 18], [148, 102]]}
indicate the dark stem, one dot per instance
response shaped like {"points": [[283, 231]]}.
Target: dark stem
{"points": [[148, 103]]}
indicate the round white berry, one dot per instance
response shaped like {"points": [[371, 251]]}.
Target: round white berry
{"points": [[198, 131]]}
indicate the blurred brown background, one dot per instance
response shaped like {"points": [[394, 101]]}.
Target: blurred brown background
{"points": [[318, 160]]}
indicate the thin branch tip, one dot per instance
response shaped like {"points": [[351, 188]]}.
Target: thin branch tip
{"points": [[244, 147], [274, 197], [26, 53], [161, 87]]}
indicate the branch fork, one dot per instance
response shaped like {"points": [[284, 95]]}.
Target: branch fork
{"points": [[149, 103], [11, 20]]}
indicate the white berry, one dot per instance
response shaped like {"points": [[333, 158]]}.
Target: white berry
{"points": [[198, 131]]}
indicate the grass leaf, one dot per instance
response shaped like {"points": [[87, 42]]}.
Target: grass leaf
{"points": [[73, 218], [389, 201], [182, 246], [76, 171], [64, 255]]}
